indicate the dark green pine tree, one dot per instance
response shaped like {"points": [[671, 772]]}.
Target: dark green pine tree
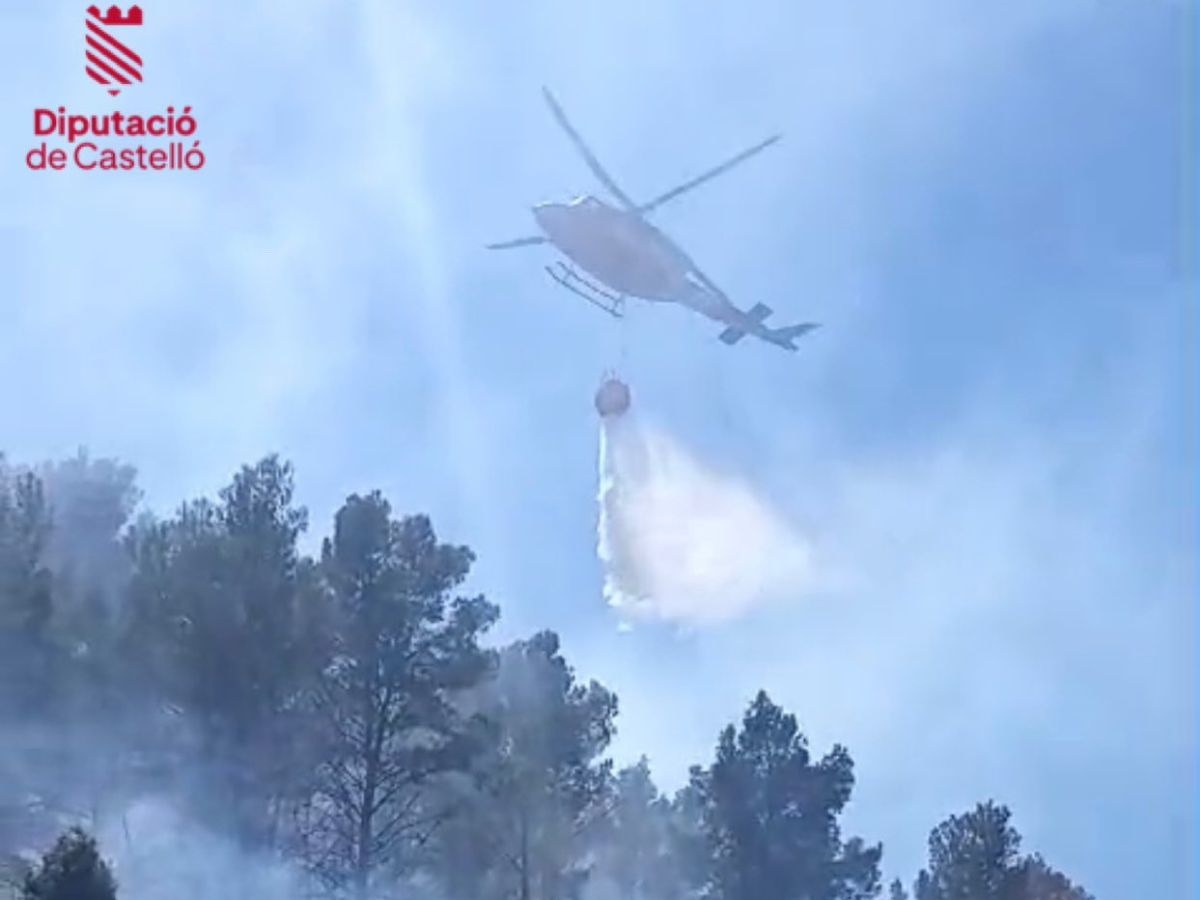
{"points": [[976, 856], [972, 855], [71, 870], [1040, 882], [223, 621], [635, 846], [542, 786], [407, 647], [771, 812], [25, 592]]}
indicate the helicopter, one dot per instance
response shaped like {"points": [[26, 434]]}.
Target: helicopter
{"points": [[629, 257]]}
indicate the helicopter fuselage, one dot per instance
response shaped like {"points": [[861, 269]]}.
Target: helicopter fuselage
{"points": [[618, 247]]}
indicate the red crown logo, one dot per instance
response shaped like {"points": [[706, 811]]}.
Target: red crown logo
{"points": [[110, 62]]}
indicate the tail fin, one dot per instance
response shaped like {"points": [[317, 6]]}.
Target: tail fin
{"points": [[784, 336], [756, 313]]}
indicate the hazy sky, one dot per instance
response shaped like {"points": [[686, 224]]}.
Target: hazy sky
{"points": [[988, 443]]}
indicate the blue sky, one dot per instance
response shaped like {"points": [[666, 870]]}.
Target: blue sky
{"points": [[991, 437]]}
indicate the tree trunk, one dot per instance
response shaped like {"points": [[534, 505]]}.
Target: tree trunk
{"points": [[362, 865], [373, 741], [524, 857]]}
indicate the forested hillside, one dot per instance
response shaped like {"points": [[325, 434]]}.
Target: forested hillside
{"points": [[342, 726]]}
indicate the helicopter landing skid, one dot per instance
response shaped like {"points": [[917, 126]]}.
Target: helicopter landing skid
{"points": [[611, 303]]}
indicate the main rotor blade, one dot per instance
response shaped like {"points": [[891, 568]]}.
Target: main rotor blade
{"points": [[519, 242], [711, 173], [586, 153]]}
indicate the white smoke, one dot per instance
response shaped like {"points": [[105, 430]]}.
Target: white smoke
{"points": [[160, 853], [683, 543]]}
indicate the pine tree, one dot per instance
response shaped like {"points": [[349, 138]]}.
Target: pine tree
{"points": [[542, 783], [771, 816], [71, 870], [976, 855], [405, 648]]}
